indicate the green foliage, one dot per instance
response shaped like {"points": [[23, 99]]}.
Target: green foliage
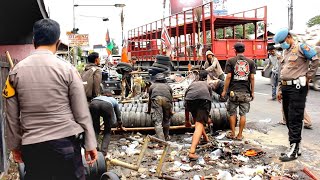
{"points": [[80, 67], [313, 21]]}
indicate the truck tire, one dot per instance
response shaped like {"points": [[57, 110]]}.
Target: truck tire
{"points": [[163, 58], [163, 66], [109, 176], [316, 83], [158, 69]]}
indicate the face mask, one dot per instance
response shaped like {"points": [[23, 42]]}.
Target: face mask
{"points": [[285, 45]]}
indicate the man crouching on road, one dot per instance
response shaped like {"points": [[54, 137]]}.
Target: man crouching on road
{"points": [[47, 112], [295, 75], [240, 86], [160, 106]]}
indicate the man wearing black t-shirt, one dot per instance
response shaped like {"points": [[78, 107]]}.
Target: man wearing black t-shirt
{"points": [[240, 87]]}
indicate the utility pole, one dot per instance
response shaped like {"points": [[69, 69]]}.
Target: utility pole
{"points": [[290, 15], [75, 48]]}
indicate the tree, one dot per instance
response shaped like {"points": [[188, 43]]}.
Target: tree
{"points": [[313, 21]]}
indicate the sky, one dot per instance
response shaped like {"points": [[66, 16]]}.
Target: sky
{"points": [[139, 12]]}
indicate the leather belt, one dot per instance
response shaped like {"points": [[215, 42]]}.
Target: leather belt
{"points": [[289, 83]]}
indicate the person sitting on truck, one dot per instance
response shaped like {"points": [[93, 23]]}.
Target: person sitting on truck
{"points": [[160, 106], [198, 102], [213, 67], [107, 107]]}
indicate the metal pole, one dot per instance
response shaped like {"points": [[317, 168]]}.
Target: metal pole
{"points": [[74, 17], [291, 15]]}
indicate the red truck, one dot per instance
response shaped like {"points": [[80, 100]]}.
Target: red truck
{"points": [[197, 30]]}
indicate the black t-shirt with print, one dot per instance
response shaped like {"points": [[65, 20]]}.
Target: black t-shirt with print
{"points": [[241, 68]]}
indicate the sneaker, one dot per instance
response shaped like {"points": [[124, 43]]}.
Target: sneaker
{"points": [[292, 154]]}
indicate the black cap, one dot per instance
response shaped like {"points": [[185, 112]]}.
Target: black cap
{"points": [[239, 47]]}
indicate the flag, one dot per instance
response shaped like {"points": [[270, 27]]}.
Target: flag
{"points": [[107, 37], [109, 43], [165, 38], [124, 53]]}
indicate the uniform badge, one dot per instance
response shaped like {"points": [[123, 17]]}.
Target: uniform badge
{"points": [[306, 48], [8, 90]]}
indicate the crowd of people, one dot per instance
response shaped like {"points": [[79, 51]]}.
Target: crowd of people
{"points": [[53, 111]]}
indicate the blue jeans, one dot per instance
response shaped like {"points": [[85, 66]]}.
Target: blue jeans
{"points": [[274, 84]]}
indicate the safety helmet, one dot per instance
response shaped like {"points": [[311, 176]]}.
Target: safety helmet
{"points": [[281, 35], [209, 53]]}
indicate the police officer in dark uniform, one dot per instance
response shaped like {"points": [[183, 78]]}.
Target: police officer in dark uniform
{"points": [[295, 75]]}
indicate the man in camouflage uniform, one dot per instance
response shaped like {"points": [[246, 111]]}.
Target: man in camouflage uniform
{"points": [[160, 106]]}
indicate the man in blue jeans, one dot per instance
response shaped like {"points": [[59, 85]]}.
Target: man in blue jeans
{"points": [[274, 60]]}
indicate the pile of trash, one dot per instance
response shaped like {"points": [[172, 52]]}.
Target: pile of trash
{"points": [[222, 158]]}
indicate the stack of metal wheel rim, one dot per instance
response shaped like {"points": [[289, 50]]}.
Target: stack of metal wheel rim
{"points": [[134, 114]]}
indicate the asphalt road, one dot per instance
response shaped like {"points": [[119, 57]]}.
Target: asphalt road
{"points": [[265, 114]]}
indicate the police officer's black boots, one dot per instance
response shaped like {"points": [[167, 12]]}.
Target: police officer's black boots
{"points": [[292, 154], [299, 152]]}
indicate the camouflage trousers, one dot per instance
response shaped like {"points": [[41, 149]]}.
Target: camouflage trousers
{"points": [[161, 112]]}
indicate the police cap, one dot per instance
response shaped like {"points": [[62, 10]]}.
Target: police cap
{"points": [[281, 35]]}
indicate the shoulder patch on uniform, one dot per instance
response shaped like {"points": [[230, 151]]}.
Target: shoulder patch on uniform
{"points": [[8, 90], [308, 51]]}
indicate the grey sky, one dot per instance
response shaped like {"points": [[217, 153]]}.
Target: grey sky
{"points": [[139, 12]]}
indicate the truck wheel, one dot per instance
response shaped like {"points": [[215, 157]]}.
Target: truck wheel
{"points": [[316, 84], [109, 175]]}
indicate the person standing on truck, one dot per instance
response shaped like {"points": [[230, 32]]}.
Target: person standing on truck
{"points": [[198, 102], [92, 76], [274, 61], [240, 87], [213, 67], [47, 113], [160, 106], [107, 107], [295, 75]]}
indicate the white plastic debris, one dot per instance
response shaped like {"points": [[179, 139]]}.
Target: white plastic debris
{"points": [[178, 174], [143, 176], [189, 139], [185, 167], [196, 177], [175, 145], [186, 146], [201, 161], [242, 158], [197, 167], [224, 175], [257, 178], [158, 152], [153, 170], [214, 155], [221, 136]]}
